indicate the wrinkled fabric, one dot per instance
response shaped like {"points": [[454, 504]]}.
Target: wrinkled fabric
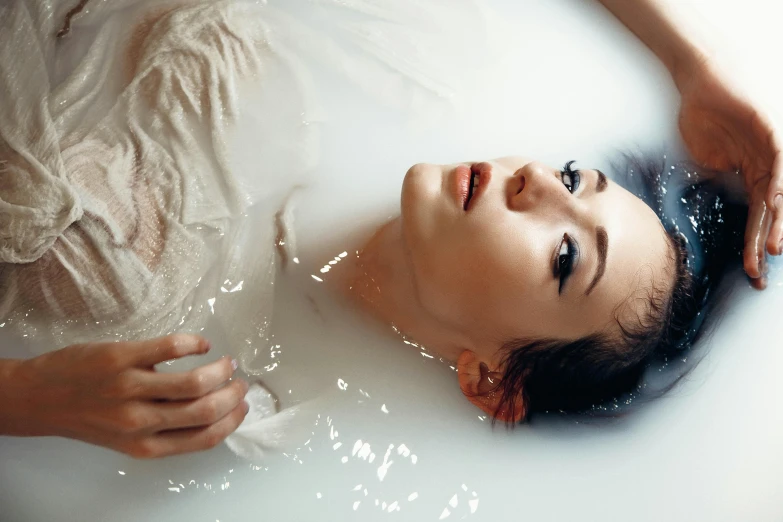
{"points": [[121, 213], [264, 429], [115, 181], [117, 197]]}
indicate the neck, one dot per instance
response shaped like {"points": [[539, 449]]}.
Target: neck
{"points": [[379, 279]]}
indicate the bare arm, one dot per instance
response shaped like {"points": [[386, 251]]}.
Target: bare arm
{"points": [[10, 422], [724, 128], [669, 29]]}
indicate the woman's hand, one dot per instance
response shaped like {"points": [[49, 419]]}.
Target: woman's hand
{"points": [[109, 394], [725, 131]]}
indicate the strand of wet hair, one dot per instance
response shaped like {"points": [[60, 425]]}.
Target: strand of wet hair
{"points": [[66, 28]]}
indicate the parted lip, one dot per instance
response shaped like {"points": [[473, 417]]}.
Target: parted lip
{"points": [[483, 172], [461, 184]]}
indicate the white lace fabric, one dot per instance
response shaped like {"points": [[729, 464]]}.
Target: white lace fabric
{"points": [[113, 181]]}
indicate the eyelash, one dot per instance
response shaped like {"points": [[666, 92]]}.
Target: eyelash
{"points": [[574, 179], [564, 262]]}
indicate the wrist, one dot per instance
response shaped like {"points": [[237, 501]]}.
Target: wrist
{"points": [[687, 63], [672, 30]]}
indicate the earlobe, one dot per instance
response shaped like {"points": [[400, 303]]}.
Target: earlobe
{"points": [[468, 373], [484, 388]]}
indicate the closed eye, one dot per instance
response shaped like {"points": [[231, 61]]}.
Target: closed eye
{"points": [[570, 178]]}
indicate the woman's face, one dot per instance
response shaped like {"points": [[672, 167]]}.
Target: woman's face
{"points": [[536, 253]]}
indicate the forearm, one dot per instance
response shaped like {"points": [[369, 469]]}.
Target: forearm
{"points": [[13, 400], [668, 28]]}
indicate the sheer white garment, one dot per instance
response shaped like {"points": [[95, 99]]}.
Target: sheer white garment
{"points": [[119, 210], [122, 215], [115, 186]]}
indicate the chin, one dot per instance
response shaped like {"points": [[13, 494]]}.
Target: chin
{"points": [[415, 179], [411, 192], [421, 203]]}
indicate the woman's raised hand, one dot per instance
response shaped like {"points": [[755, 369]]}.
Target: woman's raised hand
{"points": [[722, 127], [724, 130], [110, 394]]}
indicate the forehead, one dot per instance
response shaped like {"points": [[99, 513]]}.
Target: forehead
{"points": [[639, 261]]}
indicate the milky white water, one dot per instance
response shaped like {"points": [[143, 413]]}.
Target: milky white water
{"points": [[385, 433]]}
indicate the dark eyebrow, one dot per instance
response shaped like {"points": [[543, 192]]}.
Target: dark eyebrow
{"points": [[600, 185], [602, 242]]}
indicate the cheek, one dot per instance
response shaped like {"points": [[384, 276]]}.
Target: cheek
{"points": [[484, 277], [444, 281]]}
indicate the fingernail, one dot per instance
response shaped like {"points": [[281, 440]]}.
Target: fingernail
{"points": [[247, 407], [207, 346], [234, 364], [778, 202]]}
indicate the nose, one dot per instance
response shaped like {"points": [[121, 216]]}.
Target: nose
{"points": [[536, 186]]}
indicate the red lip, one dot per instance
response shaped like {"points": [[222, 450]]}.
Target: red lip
{"points": [[461, 185], [483, 172]]}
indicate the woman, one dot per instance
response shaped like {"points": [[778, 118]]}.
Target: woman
{"points": [[533, 258], [541, 245]]}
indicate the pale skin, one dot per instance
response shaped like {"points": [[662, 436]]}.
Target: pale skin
{"points": [[108, 393], [723, 128], [437, 275], [464, 282]]}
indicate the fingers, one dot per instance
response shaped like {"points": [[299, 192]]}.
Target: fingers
{"points": [[204, 411], [755, 235], [760, 283], [775, 202], [180, 386], [146, 354], [767, 158], [192, 439], [153, 430]]}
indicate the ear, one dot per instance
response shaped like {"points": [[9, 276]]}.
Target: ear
{"points": [[484, 388]]}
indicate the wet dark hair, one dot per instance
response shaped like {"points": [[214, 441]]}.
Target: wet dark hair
{"points": [[578, 376]]}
